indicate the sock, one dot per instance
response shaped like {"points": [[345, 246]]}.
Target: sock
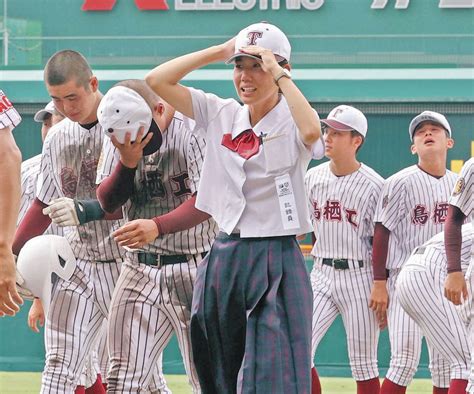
{"points": [[315, 383], [388, 387], [371, 386], [97, 387], [80, 390], [457, 386], [440, 390]]}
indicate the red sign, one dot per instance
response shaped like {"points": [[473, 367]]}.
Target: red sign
{"points": [[107, 5]]}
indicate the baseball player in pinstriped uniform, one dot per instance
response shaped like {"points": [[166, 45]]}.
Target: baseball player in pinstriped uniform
{"points": [[343, 195], [154, 292], [30, 169], [68, 169], [9, 205], [461, 205], [412, 208], [420, 292]]}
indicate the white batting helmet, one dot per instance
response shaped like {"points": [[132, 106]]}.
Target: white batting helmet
{"points": [[39, 258]]}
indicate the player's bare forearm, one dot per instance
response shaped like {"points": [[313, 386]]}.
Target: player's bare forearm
{"points": [[9, 206], [10, 181], [455, 288], [305, 118], [164, 79]]}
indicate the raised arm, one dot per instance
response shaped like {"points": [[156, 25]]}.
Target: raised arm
{"points": [[304, 116], [164, 79]]}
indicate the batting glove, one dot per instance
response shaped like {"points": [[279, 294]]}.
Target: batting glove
{"points": [[62, 212]]}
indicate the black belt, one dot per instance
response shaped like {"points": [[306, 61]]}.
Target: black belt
{"points": [[160, 260], [340, 264], [420, 250]]}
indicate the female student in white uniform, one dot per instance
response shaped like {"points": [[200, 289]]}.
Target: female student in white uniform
{"points": [[251, 312]]}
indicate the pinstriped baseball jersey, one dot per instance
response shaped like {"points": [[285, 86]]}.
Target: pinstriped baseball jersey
{"points": [[69, 169], [435, 253], [342, 208], [163, 181], [29, 176], [413, 207], [462, 195]]}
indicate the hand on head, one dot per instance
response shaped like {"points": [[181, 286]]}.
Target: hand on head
{"points": [[132, 152], [268, 58]]}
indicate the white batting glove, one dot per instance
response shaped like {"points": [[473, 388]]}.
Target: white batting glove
{"points": [[62, 212], [23, 291]]}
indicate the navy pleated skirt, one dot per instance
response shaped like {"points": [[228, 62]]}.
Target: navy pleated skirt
{"points": [[251, 317]]}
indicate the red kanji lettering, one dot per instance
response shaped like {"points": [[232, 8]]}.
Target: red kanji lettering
{"points": [[440, 212], [332, 211], [419, 215]]}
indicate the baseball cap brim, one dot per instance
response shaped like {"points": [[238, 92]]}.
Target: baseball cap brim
{"points": [[241, 54], [156, 140], [334, 124], [41, 115]]}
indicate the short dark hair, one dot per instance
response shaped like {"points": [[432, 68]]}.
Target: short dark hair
{"points": [[65, 66], [143, 89]]}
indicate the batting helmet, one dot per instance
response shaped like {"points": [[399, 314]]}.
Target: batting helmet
{"points": [[39, 258]]}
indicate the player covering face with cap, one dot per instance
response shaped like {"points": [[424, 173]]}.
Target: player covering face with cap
{"points": [[251, 313], [150, 177]]}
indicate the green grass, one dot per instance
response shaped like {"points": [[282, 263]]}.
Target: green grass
{"points": [[29, 383]]}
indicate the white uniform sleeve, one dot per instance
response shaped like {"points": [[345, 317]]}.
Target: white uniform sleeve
{"points": [[195, 158], [9, 116], [46, 186], [28, 190], [462, 195], [205, 107], [391, 207], [109, 157], [372, 207]]}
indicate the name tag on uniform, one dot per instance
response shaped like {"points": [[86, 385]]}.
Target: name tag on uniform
{"points": [[286, 198]]}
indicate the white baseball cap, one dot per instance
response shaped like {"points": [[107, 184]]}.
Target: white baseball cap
{"points": [[264, 35], [43, 113], [428, 116], [346, 118], [123, 110]]}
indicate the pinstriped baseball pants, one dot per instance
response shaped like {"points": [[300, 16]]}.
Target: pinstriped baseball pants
{"points": [[405, 344], [420, 291], [148, 305], [466, 311], [78, 308], [347, 292]]}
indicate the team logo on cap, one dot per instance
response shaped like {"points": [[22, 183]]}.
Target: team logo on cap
{"points": [[459, 186], [252, 37]]}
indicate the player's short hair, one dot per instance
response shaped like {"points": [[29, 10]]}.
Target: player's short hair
{"points": [[142, 88], [65, 66]]}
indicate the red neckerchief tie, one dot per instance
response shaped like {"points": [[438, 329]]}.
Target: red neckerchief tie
{"points": [[246, 144]]}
